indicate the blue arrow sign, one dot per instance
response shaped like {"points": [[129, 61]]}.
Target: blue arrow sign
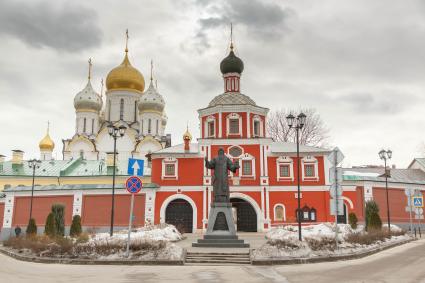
{"points": [[418, 202], [135, 167]]}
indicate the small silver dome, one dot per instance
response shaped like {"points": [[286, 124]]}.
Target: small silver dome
{"points": [[88, 99], [151, 100]]}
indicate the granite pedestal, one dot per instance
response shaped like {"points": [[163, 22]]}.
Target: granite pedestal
{"points": [[221, 232]]}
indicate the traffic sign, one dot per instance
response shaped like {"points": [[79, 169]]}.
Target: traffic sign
{"points": [[338, 175], [135, 167], [340, 206], [418, 201], [339, 156], [335, 190], [133, 185]]}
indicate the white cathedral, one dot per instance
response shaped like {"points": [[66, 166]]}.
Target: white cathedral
{"points": [[127, 104]]}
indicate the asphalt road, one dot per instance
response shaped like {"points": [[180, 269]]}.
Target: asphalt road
{"points": [[400, 264]]}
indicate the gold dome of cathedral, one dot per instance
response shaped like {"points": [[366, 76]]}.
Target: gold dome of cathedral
{"points": [[125, 77]]}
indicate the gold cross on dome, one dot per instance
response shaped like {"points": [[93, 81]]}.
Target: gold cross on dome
{"points": [[90, 65], [126, 40]]}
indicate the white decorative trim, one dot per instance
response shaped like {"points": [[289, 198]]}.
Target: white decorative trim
{"points": [[247, 157], [257, 118], [349, 201], [150, 195], [248, 124], [285, 160], [310, 160], [230, 147], [220, 125], [77, 204], [170, 160], [233, 116], [284, 212], [210, 119], [180, 196], [260, 217], [8, 210]]}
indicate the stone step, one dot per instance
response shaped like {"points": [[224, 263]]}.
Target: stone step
{"points": [[220, 241], [215, 258], [220, 245], [235, 237], [218, 262]]}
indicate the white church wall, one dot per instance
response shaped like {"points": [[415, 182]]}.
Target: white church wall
{"points": [[130, 105]]}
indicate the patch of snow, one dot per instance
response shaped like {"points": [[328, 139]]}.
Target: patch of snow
{"points": [[361, 174]]}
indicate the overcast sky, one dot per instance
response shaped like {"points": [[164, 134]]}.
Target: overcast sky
{"points": [[360, 63]]}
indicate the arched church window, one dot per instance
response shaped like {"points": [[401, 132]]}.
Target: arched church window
{"points": [[109, 110], [157, 126], [92, 126], [82, 154], [122, 109], [84, 125]]}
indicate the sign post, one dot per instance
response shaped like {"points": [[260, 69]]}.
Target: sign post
{"points": [[418, 203], [335, 175], [133, 185]]}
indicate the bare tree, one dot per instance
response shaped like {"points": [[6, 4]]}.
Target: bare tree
{"points": [[314, 132]]}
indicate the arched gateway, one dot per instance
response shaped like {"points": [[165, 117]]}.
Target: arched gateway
{"points": [[179, 213], [246, 217]]}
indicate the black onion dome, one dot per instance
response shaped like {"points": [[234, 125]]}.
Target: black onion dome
{"points": [[231, 64]]}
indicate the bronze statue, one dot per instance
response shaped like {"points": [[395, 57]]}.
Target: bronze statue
{"points": [[221, 164]]}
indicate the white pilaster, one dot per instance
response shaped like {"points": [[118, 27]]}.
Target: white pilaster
{"points": [[8, 210], [78, 203], [150, 195]]}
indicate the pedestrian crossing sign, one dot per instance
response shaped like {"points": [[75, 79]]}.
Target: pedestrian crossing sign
{"points": [[418, 201]]}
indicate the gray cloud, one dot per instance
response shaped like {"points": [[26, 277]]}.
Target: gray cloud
{"points": [[261, 20], [387, 102], [66, 27]]}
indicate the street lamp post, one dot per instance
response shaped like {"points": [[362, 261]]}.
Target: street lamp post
{"points": [[386, 155], [297, 123], [33, 164], [114, 132]]}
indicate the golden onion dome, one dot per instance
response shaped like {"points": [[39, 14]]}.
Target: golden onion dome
{"points": [[47, 143], [125, 77], [187, 135]]}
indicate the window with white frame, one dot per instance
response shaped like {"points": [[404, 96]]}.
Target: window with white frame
{"points": [[234, 124], [279, 212], [248, 165], [285, 168], [209, 128], [169, 168], [257, 126], [309, 168]]}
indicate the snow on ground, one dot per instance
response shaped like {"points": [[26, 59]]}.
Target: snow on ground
{"points": [[291, 247], [163, 232]]}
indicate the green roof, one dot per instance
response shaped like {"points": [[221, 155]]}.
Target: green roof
{"points": [[75, 167]]}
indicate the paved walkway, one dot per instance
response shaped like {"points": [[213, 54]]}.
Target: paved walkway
{"points": [[400, 264], [254, 239]]}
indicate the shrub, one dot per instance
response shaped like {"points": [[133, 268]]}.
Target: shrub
{"points": [[352, 219], [285, 243], [58, 211], [371, 236], [373, 221], [322, 243], [75, 226], [31, 228], [49, 228]]}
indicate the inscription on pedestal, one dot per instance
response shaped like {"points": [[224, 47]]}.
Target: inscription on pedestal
{"points": [[221, 222]]}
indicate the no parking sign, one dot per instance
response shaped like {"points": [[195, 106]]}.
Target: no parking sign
{"points": [[133, 185]]}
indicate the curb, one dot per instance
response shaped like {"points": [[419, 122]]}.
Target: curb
{"points": [[51, 260], [290, 261]]}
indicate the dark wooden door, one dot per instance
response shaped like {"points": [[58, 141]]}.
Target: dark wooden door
{"points": [[180, 214], [342, 219], [246, 216]]}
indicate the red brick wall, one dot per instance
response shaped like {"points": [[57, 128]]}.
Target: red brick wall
{"points": [[96, 210], [41, 208], [190, 172], [397, 200]]}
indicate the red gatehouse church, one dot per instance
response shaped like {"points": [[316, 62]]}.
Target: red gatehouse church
{"points": [[178, 188], [264, 190]]}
